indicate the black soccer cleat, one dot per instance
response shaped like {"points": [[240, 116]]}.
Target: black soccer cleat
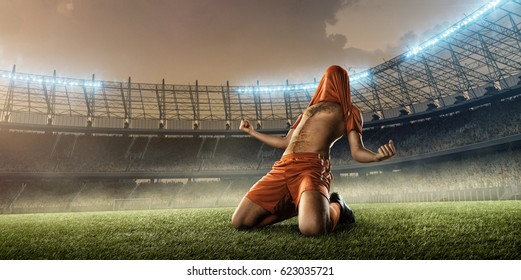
{"points": [[347, 216]]}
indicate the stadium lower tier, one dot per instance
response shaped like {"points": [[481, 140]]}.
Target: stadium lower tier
{"points": [[40, 152], [495, 176]]}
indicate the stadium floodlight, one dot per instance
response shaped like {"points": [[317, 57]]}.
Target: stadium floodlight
{"points": [[358, 77], [274, 88], [466, 21], [49, 80], [92, 84], [293, 87]]}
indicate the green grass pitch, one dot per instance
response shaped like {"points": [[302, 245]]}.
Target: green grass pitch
{"points": [[448, 230]]}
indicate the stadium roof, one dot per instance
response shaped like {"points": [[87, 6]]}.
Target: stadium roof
{"points": [[482, 50]]}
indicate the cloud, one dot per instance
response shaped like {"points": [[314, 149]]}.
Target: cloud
{"points": [[435, 30], [213, 41], [256, 39], [65, 7], [406, 41], [411, 39], [10, 20]]}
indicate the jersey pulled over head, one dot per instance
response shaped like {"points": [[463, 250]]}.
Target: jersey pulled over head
{"points": [[334, 87]]}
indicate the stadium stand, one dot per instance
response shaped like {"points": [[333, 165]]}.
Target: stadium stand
{"points": [[86, 153], [487, 177], [448, 180], [451, 105]]}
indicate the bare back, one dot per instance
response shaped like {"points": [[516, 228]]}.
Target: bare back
{"points": [[320, 127]]}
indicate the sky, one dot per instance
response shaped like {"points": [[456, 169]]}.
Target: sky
{"points": [[214, 41]]}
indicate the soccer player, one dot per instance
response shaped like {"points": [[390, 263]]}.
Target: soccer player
{"points": [[299, 182]]}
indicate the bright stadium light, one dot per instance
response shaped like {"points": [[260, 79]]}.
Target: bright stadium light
{"points": [[279, 88], [358, 77], [50, 80], [466, 21]]}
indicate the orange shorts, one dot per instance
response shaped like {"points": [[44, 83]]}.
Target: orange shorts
{"points": [[280, 190]]}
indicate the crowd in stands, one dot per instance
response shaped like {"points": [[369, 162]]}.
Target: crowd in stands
{"points": [[68, 195], [196, 194], [500, 170], [491, 177], [48, 152], [22, 151], [443, 133]]}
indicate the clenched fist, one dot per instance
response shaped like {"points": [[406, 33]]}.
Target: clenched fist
{"points": [[245, 126], [386, 151]]}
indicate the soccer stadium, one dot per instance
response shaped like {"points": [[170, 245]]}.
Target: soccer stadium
{"points": [[95, 169]]}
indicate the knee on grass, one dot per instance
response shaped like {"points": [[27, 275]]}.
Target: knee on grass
{"points": [[313, 229], [240, 224]]}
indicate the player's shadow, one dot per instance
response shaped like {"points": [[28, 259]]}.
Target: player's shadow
{"points": [[292, 228], [344, 229], [280, 228]]}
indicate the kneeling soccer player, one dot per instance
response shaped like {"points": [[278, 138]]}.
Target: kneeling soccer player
{"points": [[299, 182]]}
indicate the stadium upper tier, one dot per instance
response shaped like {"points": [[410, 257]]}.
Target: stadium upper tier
{"points": [[479, 54]]}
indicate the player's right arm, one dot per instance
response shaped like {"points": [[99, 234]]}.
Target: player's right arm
{"points": [[280, 142]]}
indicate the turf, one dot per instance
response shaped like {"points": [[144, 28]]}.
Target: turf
{"points": [[449, 230]]}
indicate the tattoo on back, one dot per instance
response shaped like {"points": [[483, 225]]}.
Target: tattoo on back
{"points": [[320, 107]]}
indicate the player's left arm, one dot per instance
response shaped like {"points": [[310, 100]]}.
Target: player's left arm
{"points": [[363, 155]]}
